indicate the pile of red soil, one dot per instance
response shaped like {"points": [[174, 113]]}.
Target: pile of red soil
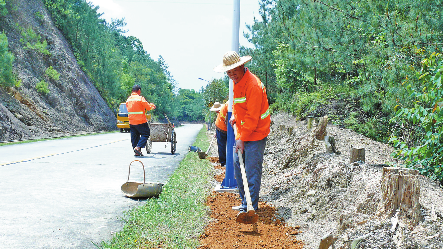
{"points": [[224, 232]]}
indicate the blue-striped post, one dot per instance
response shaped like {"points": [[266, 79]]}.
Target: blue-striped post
{"points": [[229, 182]]}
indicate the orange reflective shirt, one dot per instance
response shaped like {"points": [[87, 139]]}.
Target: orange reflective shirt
{"points": [[220, 122], [251, 109], [137, 107]]}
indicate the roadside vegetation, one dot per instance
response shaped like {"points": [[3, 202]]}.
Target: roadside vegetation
{"points": [[179, 215], [7, 78]]}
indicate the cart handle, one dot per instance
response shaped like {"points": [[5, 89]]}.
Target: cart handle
{"points": [[144, 172], [168, 120]]}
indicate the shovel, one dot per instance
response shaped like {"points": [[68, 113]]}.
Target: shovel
{"points": [[202, 154], [250, 217]]}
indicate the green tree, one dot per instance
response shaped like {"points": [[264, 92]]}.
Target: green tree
{"points": [[426, 112], [192, 105], [216, 91], [42, 87], [52, 73], [6, 60], [33, 41], [265, 41], [3, 9]]}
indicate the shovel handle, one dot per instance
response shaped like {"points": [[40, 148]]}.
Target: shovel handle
{"points": [[144, 172], [212, 140], [245, 182]]}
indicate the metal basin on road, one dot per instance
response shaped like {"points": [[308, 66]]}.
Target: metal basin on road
{"points": [[141, 189]]}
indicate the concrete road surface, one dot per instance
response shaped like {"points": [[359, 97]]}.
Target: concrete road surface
{"points": [[65, 193]]}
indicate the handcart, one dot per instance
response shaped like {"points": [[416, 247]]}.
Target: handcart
{"points": [[162, 132]]}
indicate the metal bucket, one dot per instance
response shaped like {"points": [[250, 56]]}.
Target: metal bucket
{"points": [[141, 189], [202, 154]]}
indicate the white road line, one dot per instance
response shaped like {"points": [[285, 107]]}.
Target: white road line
{"points": [[56, 154]]}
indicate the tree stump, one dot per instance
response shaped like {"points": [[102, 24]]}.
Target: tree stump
{"points": [[330, 145], [400, 191], [357, 154], [326, 241], [309, 121], [320, 130]]}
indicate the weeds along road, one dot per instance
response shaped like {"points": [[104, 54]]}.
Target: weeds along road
{"points": [[65, 193]]}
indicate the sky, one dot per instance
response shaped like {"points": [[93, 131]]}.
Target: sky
{"points": [[191, 35]]}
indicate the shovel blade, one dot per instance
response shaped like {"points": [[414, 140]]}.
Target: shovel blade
{"points": [[202, 154], [249, 217]]}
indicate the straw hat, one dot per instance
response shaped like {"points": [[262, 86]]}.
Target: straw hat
{"points": [[231, 60], [216, 107]]}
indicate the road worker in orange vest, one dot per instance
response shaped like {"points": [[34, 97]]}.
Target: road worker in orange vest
{"points": [[252, 120], [138, 124], [221, 130]]}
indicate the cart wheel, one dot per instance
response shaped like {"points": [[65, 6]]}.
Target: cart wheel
{"points": [[173, 142], [149, 145]]}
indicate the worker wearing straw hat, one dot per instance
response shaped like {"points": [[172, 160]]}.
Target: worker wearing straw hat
{"points": [[221, 130], [251, 117]]}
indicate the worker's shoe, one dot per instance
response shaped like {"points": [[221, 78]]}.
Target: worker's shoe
{"points": [[239, 208], [137, 152]]}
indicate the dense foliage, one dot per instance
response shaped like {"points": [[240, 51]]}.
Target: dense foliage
{"points": [[359, 49], [3, 10], [6, 60], [190, 105], [427, 115], [6, 57]]}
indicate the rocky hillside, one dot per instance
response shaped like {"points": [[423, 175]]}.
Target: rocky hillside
{"points": [[71, 105]]}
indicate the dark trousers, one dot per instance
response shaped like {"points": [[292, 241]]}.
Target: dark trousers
{"points": [[253, 162], [139, 135], [221, 143]]}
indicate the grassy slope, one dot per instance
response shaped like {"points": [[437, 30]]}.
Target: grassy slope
{"points": [[178, 216]]}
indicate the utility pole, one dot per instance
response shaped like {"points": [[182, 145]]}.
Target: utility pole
{"points": [[229, 183]]}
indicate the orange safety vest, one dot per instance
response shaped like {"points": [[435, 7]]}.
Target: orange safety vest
{"points": [[251, 109], [137, 107], [220, 122]]}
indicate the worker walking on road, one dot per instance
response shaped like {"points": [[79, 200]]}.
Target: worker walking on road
{"points": [[252, 120], [221, 130], [138, 124]]}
